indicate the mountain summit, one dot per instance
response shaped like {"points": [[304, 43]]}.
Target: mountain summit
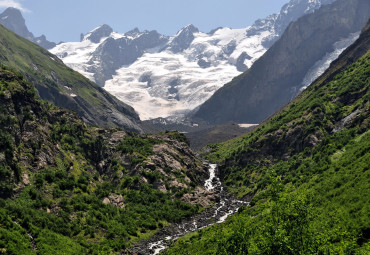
{"points": [[162, 76], [183, 39], [98, 33], [277, 77], [13, 20]]}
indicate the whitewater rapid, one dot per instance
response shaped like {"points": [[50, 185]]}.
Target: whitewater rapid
{"points": [[218, 214]]}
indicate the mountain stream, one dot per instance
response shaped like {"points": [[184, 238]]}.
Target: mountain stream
{"points": [[226, 206]]}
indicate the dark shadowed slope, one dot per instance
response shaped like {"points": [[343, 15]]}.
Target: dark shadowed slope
{"points": [[274, 79]]}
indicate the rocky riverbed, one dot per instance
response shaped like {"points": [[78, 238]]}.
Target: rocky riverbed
{"points": [[225, 206]]}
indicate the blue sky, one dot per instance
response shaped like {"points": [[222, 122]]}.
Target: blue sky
{"points": [[65, 20]]}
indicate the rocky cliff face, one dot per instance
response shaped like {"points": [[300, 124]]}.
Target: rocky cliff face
{"points": [[97, 34], [273, 80], [114, 53], [13, 20], [183, 39], [279, 22]]}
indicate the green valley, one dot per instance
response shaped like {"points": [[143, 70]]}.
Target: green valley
{"points": [[305, 171], [79, 175], [70, 188]]}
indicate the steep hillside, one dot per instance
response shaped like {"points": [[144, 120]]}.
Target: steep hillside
{"points": [[70, 188], [305, 171], [62, 86], [281, 72], [162, 75]]}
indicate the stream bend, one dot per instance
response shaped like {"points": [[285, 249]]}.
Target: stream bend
{"points": [[226, 206]]}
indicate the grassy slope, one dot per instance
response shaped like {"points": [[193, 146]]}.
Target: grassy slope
{"points": [[331, 209], [55, 172], [55, 82], [307, 171]]}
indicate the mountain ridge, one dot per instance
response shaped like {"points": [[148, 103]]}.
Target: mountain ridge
{"points": [[13, 20], [304, 171], [273, 79], [64, 87], [159, 80]]}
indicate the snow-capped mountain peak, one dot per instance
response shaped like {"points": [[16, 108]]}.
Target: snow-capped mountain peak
{"points": [[182, 39], [188, 29], [161, 76], [295, 9], [133, 32], [98, 33], [13, 20]]}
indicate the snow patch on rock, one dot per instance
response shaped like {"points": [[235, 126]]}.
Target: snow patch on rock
{"points": [[320, 66]]}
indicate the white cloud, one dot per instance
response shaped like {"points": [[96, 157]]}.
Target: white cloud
{"points": [[12, 3]]}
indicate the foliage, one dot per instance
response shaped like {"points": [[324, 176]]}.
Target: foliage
{"points": [[49, 242], [55, 81], [58, 175], [13, 238], [308, 173], [140, 148]]}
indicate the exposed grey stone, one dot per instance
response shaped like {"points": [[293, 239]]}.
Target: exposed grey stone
{"points": [[241, 67], [183, 39], [96, 35], [203, 64], [13, 20], [115, 53], [266, 86]]}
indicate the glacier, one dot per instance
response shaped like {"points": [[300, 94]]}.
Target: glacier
{"points": [[161, 84], [321, 65], [162, 76]]}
